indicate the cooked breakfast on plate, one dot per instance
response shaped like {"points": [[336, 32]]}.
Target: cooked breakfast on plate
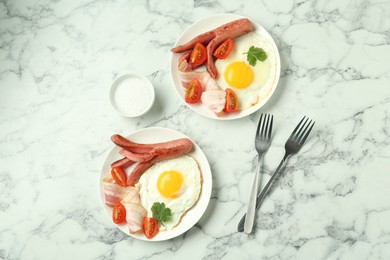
{"points": [[163, 184], [227, 68]]}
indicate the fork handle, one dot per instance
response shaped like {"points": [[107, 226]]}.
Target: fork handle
{"points": [[251, 212], [264, 192]]}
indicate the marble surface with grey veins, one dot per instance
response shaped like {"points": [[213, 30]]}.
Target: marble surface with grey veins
{"points": [[57, 61]]}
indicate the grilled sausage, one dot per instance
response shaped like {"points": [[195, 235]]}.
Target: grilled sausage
{"points": [[214, 38], [124, 163], [168, 152], [136, 157]]}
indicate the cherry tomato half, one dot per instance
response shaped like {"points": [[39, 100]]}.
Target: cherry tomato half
{"points": [[231, 104], [118, 213], [119, 175], [149, 227], [198, 55], [193, 92], [224, 49]]}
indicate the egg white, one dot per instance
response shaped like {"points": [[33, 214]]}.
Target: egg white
{"points": [[263, 72], [188, 194]]}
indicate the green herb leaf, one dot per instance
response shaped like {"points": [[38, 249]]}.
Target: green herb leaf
{"points": [[160, 212], [254, 54]]}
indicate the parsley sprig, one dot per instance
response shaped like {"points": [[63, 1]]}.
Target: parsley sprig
{"points": [[254, 54], [160, 212]]}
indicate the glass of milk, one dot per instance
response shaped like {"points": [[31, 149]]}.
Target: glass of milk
{"points": [[132, 95]]}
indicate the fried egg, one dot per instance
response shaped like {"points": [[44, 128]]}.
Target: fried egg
{"points": [[175, 182], [250, 83]]}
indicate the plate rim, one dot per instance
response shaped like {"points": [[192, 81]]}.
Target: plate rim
{"points": [[205, 193], [228, 17]]}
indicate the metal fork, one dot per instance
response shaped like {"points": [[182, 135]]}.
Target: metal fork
{"points": [[262, 143], [293, 145]]}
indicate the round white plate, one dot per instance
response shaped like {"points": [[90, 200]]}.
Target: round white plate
{"points": [[208, 24], [156, 135]]}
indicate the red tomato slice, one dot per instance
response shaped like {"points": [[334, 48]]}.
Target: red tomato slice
{"points": [[149, 227], [231, 104], [193, 92], [119, 175], [224, 49], [118, 213], [198, 55]]}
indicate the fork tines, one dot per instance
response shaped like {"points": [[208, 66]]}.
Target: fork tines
{"points": [[302, 131], [265, 124]]}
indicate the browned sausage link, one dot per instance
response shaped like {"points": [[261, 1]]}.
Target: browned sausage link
{"points": [[136, 157], [138, 171], [204, 38], [169, 153], [180, 146], [143, 148], [131, 146], [230, 30], [235, 28], [210, 59], [124, 163]]}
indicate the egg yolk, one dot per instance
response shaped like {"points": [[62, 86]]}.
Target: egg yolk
{"points": [[238, 75], [169, 183]]}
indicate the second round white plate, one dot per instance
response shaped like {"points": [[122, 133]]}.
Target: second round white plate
{"points": [[157, 135]]}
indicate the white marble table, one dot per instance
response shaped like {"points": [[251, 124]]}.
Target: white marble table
{"points": [[58, 60]]}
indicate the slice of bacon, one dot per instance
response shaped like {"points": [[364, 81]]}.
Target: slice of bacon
{"points": [[215, 100], [135, 213], [209, 83], [112, 191], [206, 81], [186, 77], [183, 64]]}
